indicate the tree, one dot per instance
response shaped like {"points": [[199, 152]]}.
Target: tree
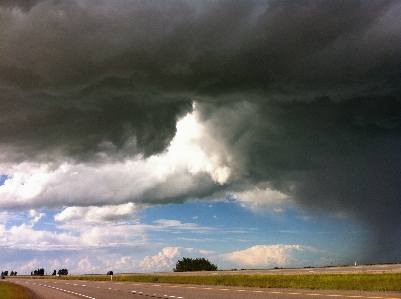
{"points": [[198, 264], [62, 272], [39, 272]]}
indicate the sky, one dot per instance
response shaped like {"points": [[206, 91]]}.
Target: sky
{"points": [[256, 134]]}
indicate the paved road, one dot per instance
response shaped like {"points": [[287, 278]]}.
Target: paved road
{"points": [[62, 289]]}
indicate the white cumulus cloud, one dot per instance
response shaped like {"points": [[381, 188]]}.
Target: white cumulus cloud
{"points": [[267, 256], [119, 187], [97, 214], [266, 199]]}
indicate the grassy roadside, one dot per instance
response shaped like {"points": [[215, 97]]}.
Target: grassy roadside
{"points": [[363, 281], [9, 290]]}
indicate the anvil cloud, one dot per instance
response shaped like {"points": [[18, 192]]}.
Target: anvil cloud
{"points": [[111, 108]]}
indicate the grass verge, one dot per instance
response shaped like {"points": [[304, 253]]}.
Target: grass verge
{"points": [[365, 281], [9, 290]]}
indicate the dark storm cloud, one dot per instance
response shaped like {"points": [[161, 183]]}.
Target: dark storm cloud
{"points": [[331, 157], [71, 81], [23, 4], [64, 62], [119, 128], [305, 94], [202, 47]]}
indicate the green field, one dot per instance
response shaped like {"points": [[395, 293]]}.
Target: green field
{"points": [[364, 281], [10, 290]]}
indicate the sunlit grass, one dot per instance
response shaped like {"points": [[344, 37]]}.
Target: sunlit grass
{"points": [[364, 281], [10, 290]]}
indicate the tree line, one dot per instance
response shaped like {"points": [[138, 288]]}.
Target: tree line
{"points": [[61, 272], [5, 273], [184, 265], [41, 272]]}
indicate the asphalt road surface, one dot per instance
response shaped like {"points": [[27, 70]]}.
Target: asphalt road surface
{"points": [[71, 289]]}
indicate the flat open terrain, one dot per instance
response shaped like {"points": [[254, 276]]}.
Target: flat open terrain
{"points": [[363, 278], [376, 269]]}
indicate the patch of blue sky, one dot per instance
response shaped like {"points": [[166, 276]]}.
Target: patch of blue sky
{"points": [[17, 218], [225, 226], [3, 178], [232, 227], [10, 218], [47, 221]]}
